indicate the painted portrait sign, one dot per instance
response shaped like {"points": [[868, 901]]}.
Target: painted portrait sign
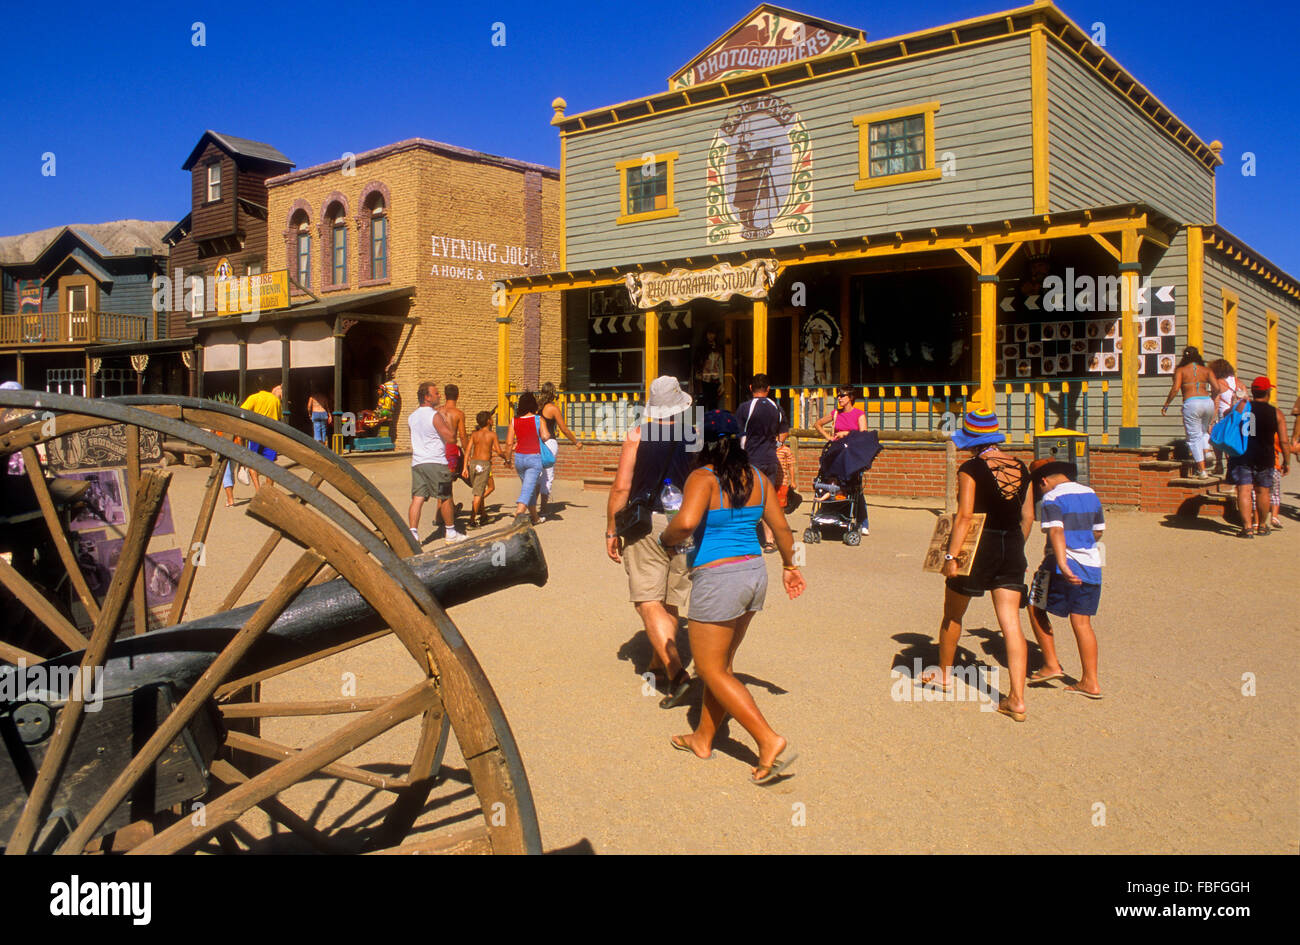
{"points": [[759, 181]]}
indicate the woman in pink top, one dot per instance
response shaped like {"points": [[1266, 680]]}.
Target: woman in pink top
{"points": [[845, 417]]}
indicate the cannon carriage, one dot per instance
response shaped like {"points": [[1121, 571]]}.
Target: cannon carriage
{"points": [[215, 722]]}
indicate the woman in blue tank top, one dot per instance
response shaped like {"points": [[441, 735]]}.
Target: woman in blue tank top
{"points": [[722, 504]]}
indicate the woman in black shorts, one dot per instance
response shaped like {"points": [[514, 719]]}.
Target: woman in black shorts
{"points": [[997, 485]]}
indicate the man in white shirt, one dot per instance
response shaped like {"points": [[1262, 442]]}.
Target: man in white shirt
{"points": [[431, 477]]}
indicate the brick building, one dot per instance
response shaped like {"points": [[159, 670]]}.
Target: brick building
{"points": [[396, 251]]}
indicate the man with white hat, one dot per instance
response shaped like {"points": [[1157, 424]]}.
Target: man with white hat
{"points": [[654, 457]]}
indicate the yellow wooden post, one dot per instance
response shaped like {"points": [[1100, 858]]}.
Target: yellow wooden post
{"points": [[1230, 305], [1271, 354], [1039, 117], [503, 359], [1196, 287], [1130, 271], [651, 348], [988, 324], [760, 337]]}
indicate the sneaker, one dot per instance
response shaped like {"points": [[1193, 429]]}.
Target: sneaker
{"points": [[415, 533], [864, 530], [453, 537]]}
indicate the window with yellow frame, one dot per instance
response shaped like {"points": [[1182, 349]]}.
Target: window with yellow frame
{"points": [[645, 187], [896, 146]]}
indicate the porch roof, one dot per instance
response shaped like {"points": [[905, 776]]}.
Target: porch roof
{"points": [[882, 243]]}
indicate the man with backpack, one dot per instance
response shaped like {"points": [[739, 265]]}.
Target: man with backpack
{"points": [[1252, 472], [763, 425]]}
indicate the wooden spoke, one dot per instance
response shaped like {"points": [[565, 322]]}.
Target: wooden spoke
{"points": [[424, 769], [229, 688], [465, 695], [140, 608], [463, 842], [178, 718], [227, 773], [41, 608], [148, 500], [256, 745], [12, 654], [259, 559], [260, 710], [60, 537], [200, 535], [293, 769]]}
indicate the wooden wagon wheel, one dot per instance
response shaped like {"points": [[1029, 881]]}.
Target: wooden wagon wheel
{"points": [[346, 529]]}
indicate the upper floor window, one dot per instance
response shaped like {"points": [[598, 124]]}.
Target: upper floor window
{"points": [[646, 187], [78, 296], [339, 245], [896, 146], [214, 183], [301, 261], [378, 237]]}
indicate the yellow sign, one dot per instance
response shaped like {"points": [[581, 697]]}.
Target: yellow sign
{"points": [[240, 295]]}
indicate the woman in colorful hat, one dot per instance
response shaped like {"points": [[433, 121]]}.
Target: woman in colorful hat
{"points": [[996, 485]]}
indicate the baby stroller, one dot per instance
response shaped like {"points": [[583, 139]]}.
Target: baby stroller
{"points": [[837, 501]]}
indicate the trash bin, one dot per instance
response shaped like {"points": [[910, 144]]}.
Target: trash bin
{"points": [[1070, 446]]}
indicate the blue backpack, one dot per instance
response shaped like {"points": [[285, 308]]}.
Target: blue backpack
{"points": [[1231, 432]]}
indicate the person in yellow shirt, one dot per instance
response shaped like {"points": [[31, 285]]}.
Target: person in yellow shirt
{"points": [[266, 403]]}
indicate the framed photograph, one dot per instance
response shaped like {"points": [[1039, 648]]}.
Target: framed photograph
{"points": [[101, 503], [939, 544]]}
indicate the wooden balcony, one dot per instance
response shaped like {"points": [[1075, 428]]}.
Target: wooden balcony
{"points": [[73, 328]]}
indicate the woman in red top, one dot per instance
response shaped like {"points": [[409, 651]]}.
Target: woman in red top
{"points": [[523, 442]]}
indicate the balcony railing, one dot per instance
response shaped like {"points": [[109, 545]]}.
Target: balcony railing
{"points": [[54, 328]]}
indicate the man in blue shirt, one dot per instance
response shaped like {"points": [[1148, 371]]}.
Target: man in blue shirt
{"points": [[763, 425], [1068, 583]]}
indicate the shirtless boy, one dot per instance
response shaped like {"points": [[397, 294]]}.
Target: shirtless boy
{"points": [[455, 418], [1195, 382], [483, 445]]}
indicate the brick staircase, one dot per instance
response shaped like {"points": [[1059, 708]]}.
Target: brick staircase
{"points": [[1180, 492]]}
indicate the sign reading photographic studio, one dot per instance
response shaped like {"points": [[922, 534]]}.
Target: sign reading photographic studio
{"points": [[759, 176], [753, 280], [240, 295]]}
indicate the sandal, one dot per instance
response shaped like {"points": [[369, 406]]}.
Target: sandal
{"points": [[680, 687], [935, 681], [1040, 677], [1246, 533]]}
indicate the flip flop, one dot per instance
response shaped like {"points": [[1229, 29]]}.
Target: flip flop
{"points": [[675, 697], [1008, 711], [933, 683], [1041, 679], [778, 765], [1083, 692], [687, 748]]}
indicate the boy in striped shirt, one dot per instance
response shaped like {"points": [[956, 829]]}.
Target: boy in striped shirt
{"points": [[1068, 583]]}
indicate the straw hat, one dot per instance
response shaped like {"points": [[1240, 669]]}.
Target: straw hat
{"points": [[666, 398]]}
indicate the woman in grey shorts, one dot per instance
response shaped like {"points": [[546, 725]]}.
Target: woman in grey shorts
{"points": [[722, 504]]}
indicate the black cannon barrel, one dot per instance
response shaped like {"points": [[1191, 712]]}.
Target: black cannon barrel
{"points": [[321, 616]]}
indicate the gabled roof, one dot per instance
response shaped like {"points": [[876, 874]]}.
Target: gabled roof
{"points": [[779, 35], [238, 148], [92, 268], [86, 240]]}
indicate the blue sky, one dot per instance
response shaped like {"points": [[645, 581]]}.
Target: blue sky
{"points": [[122, 98]]}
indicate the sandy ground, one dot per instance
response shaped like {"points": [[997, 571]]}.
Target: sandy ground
{"points": [[1176, 758]]}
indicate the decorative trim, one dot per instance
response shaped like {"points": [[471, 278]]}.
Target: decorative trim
{"points": [[667, 158], [864, 122]]}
